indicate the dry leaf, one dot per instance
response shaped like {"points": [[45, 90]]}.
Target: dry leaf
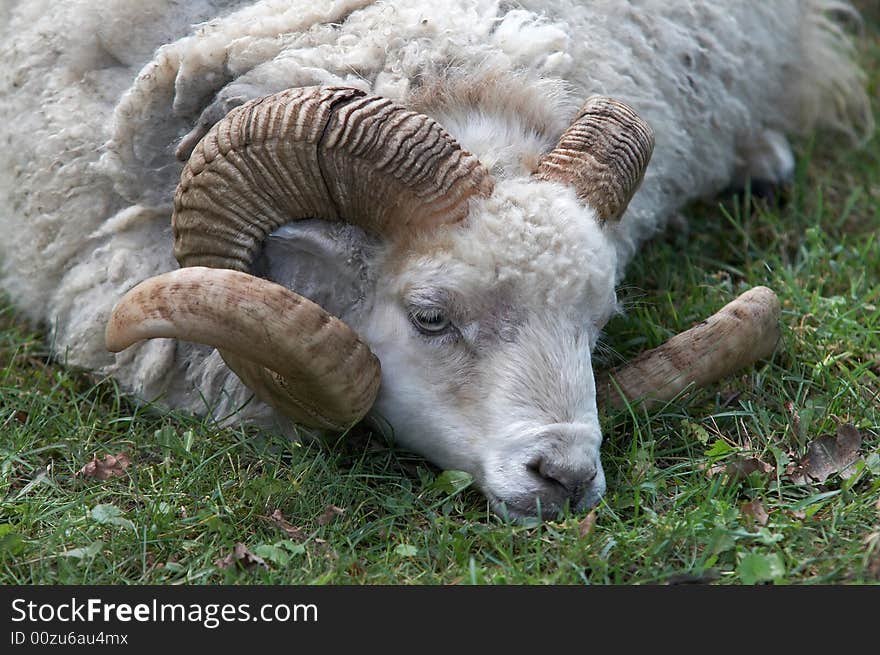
{"points": [[755, 512], [240, 557], [587, 523], [329, 514], [739, 468], [828, 455], [292, 531], [110, 466]]}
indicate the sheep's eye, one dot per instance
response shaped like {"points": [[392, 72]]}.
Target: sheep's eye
{"points": [[429, 321]]}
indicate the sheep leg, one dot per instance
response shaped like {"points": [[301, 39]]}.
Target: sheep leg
{"points": [[742, 332]]}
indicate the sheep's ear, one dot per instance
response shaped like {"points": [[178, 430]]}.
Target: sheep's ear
{"points": [[603, 155], [327, 262]]}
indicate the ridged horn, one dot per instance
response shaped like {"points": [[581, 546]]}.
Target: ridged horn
{"points": [[603, 155], [315, 152], [279, 338]]}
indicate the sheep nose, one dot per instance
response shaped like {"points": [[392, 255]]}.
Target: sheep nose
{"points": [[571, 481]]}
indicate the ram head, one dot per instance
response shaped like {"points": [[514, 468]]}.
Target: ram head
{"points": [[349, 259]]}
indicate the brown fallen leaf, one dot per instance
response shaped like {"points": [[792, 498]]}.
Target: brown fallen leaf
{"points": [[755, 512], [586, 524], [329, 514], [827, 455], [277, 519], [739, 468], [240, 557], [110, 466]]}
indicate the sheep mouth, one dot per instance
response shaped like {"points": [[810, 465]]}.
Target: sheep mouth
{"points": [[523, 509], [528, 506]]}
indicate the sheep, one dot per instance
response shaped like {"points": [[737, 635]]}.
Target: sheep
{"points": [[460, 297]]}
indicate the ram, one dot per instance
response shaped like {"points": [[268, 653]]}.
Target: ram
{"points": [[415, 212]]}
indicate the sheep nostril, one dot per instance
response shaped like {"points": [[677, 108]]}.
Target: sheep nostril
{"points": [[572, 480]]}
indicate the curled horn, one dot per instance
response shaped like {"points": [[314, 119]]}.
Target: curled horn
{"points": [[603, 155], [315, 152]]}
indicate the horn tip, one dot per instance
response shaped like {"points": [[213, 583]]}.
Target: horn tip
{"points": [[115, 338]]}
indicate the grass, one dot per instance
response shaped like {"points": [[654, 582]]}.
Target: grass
{"points": [[194, 490]]}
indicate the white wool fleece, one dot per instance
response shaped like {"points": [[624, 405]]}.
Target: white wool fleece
{"points": [[95, 97]]}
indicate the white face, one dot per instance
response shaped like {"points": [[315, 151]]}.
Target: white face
{"points": [[485, 342]]}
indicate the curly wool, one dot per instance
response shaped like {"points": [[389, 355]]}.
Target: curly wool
{"points": [[96, 97]]}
